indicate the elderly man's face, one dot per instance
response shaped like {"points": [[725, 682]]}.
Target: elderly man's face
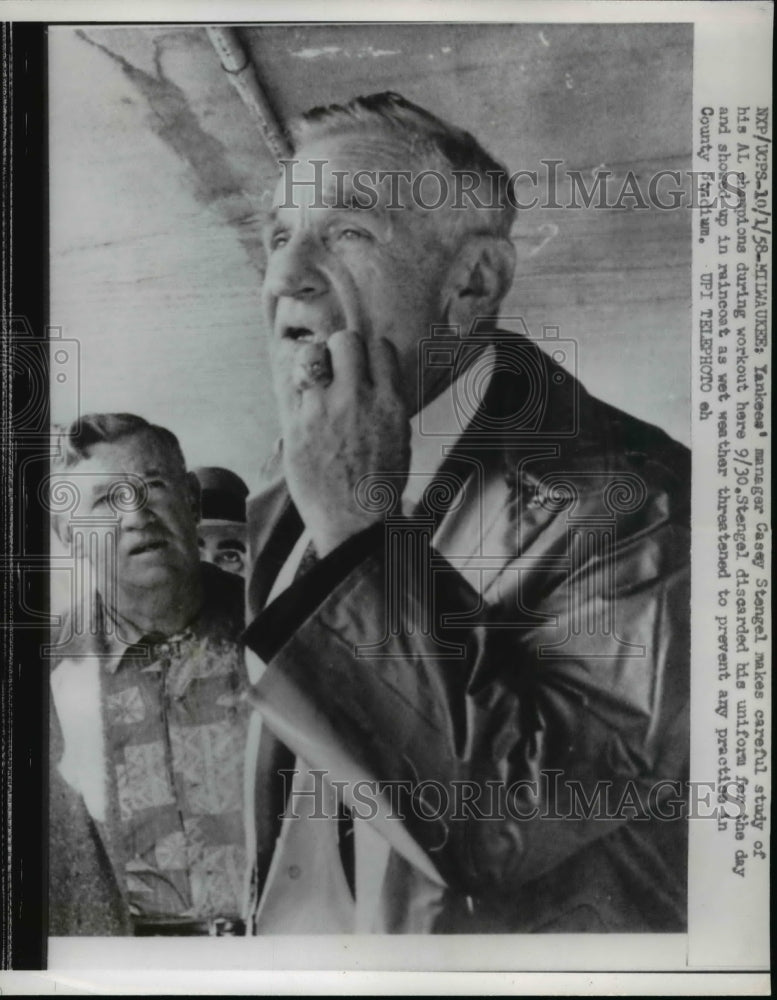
{"points": [[134, 491], [378, 271]]}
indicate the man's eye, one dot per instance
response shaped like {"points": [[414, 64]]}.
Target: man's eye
{"points": [[156, 484], [351, 234], [278, 240], [231, 559], [99, 501]]}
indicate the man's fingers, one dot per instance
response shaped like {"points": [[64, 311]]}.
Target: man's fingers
{"points": [[349, 362], [305, 369], [312, 366], [354, 317], [386, 372], [304, 414], [357, 363]]}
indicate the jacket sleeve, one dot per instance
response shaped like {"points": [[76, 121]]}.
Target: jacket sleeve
{"points": [[515, 728], [84, 898]]}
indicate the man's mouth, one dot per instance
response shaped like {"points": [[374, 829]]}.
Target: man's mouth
{"points": [[300, 334], [306, 327], [144, 547]]}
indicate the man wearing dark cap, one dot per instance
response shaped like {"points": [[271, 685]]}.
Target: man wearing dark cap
{"points": [[221, 536]]}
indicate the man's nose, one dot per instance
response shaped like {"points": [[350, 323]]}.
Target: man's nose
{"points": [[137, 517], [294, 271]]}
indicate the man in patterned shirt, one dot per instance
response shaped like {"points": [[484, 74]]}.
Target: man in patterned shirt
{"points": [[148, 719]]}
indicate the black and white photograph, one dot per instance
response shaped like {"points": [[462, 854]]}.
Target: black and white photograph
{"points": [[381, 388]]}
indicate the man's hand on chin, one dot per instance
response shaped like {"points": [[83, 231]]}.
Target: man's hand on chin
{"points": [[336, 432]]}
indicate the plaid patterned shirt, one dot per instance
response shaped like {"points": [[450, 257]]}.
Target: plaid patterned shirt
{"points": [[176, 730], [165, 742]]}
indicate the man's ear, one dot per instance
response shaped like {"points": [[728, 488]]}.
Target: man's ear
{"points": [[195, 495], [61, 526], [478, 279]]}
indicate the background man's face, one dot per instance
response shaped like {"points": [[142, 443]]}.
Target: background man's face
{"points": [[156, 534], [223, 543], [378, 271]]}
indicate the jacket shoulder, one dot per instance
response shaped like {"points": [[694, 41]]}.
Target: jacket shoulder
{"points": [[597, 446]]}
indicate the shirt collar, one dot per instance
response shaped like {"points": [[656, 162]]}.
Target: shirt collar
{"points": [[438, 428], [124, 636], [113, 637]]}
